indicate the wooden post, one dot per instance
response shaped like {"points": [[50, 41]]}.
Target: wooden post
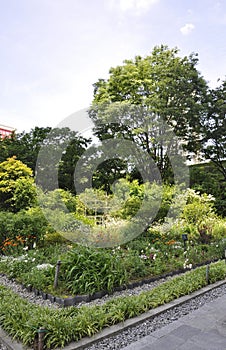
{"points": [[57, 274], [207, 274], [41, 335]]}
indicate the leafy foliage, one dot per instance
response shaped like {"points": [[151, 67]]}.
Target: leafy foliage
{"points": [[87, 270], [17, 189], [22, 229], [142, 93], [205, 179], [214, 129], [57, 158], [25, 146]]}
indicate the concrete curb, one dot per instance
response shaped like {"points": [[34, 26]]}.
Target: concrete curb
{"points": [[113, 330]]}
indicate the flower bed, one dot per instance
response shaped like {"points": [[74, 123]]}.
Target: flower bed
{"points": [[88, 271]]}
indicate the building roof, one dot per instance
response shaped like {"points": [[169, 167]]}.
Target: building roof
{"points": [[7, 128]]}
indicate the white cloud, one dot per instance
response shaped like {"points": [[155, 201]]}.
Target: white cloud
{"points": [[136, 6], [187, 29]]}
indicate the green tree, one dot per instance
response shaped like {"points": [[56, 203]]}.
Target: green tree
{"points": [[107, 173], [214, 129], [149, 98], [205, 179], [25, 146], [57, 159], [17, 190], [75, 149]]}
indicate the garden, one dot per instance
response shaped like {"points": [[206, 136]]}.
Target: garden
{"points": [[123, 230], [31, 248]]}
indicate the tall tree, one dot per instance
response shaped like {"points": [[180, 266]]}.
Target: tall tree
{"points": [[154, 96], [214, 129], [57, 159], [75, 149]]}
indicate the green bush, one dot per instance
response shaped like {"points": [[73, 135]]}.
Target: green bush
{"points": [[198, 207], [21, 229], [41, 277], [58, 199], [17, 190], [218, 228], [54, 238]]}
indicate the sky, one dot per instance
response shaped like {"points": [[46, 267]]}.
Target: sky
{"points": [[52, 51]]}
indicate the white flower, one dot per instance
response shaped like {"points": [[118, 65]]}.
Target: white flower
{"points": [[44, 266], [143, 256], [25, 248], [187, 266]]}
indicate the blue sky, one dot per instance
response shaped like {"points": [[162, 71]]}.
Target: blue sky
{"points": [[52, 51]]}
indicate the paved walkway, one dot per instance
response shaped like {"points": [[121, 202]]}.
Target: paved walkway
{"points": [[202, 329]]}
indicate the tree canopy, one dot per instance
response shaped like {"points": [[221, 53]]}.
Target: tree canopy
{"points": [[154, 96]]}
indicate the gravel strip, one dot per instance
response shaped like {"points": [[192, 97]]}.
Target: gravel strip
{"points": [[127, 292], [30, 296], [133, 334], [21, 291]]}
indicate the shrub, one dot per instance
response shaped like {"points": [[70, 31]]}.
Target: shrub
{"points": [[54, 238], [22, 229], [17, 190], [218, 229], [198, 207]]}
